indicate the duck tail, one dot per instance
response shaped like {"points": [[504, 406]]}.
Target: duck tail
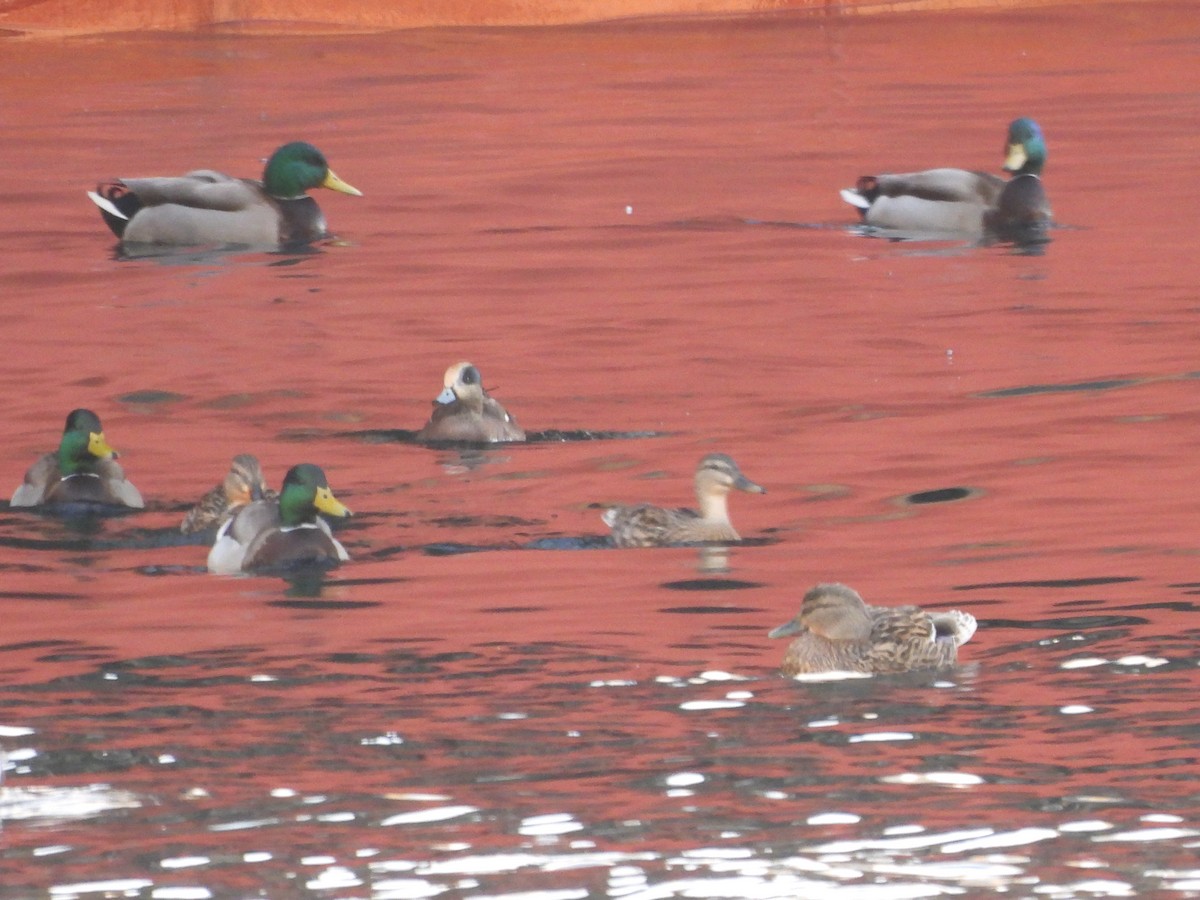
{"points": [[117, 205]]}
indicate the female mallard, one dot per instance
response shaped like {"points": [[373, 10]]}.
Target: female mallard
{"points": [[837, 632], [243, 483], [207, 207], [463, 411], [958, 201], [274, 534], [655, 526], [82, 474]]}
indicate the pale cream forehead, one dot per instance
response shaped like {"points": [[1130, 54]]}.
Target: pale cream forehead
{"points": [[453, 373]]}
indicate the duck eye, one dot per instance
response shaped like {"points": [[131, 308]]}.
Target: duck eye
{"points": [[470, 376]]}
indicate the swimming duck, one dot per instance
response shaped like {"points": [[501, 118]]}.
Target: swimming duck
{"points": [[243, 483], [207, 207], [82, 473], [656, 526], [463, 411], [273, 534], [959, 201], [837, 632]]}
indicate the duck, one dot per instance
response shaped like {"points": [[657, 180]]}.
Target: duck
{"points": [[463, 411], [284, 532], [836, 631], [961, 201], [656, 526], [209, 207], [243, 483], [82, 475]]}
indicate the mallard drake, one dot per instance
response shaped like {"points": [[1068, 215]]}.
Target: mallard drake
{"points": [[207, 207], [243, 483], [656, 526], [837, 632], [275, 534], [959, 201], [82, 473], [463, 411]]}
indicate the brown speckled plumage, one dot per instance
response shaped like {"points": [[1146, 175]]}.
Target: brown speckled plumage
{"points": [[836, 631], [655, 526], [243, 484]]}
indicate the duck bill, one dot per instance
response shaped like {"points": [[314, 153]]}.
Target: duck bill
{"points": [[99, 448], [745, 484], [336, 184], [446, 397], [1016, 158], [786, 629], [329, 504]]}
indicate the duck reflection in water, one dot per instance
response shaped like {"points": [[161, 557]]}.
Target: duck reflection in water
{"points": [[655, 526], [284, 533], [957, 201], [463, 411], [81, 476], [835, 631], [243, 483]]}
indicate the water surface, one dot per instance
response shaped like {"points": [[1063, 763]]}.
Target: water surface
{"points": [[630, 229]]}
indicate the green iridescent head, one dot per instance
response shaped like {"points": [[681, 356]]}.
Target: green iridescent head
{"points": [[83, 443], [298, 167], [306, 492], [1024, 148]]}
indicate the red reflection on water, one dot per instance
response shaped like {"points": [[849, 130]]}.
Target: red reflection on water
{"points": [[580, 213]]}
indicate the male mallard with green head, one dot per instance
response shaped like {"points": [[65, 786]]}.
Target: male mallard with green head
{"points": [[208, 207], [837, 632], [959, 201], [82, 473], [277, 534], [243, 483], [463, 411], [656, 526]]}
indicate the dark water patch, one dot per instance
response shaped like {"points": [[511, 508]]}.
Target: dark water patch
{"points": [[1172, 605], [378, 554], [312, 604], [939, 495], [76, 545], [161, 571], [34, 645], [710, 610], [1049, 583], [66, 762], [483, 522], [150, 397], [449, 548], [37, 595], [584, 542], [133, 539], [306, 579], [556, 436], [1068, 388], [82, 515], [710, 584], [364, 582], [408, 436]]}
